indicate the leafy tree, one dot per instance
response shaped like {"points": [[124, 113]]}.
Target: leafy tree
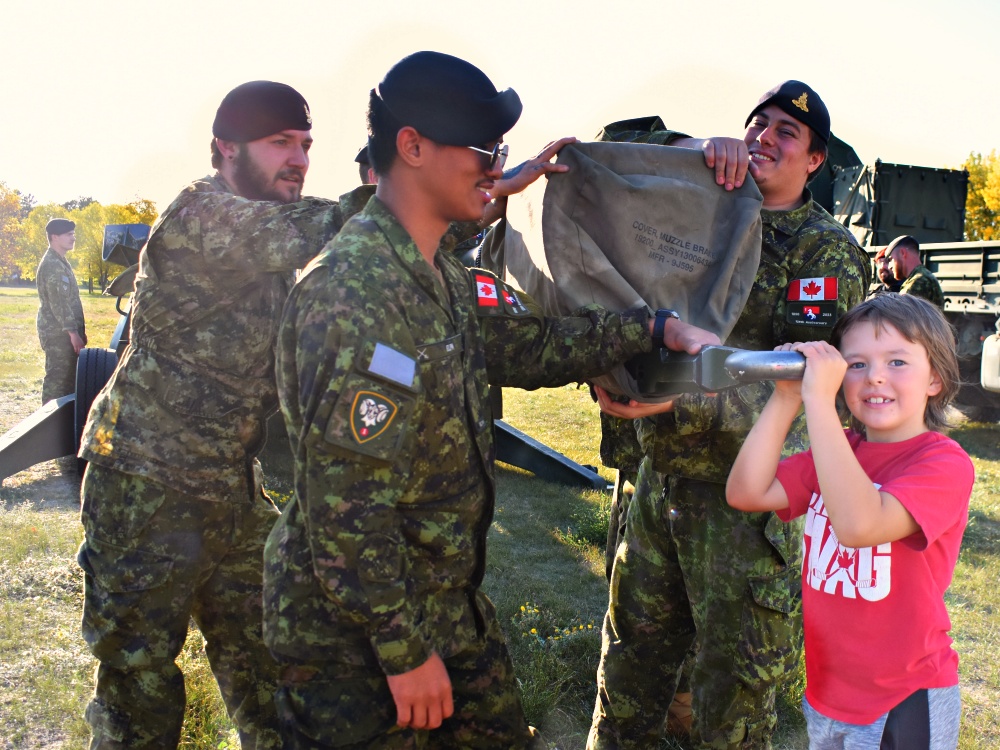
{"points": [[10, 224], [27, 203], [982, 204], [81, 202], [86, 259]]}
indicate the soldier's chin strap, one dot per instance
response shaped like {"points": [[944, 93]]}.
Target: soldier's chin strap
{"points": [[714, 368]]}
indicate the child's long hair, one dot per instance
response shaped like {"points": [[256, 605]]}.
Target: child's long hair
{"points": [[919, 322]]}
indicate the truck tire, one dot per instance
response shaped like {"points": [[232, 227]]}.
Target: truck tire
{"points": [[93, 370]]}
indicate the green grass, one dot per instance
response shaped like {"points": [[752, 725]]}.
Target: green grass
{"points": [[546, 556]]}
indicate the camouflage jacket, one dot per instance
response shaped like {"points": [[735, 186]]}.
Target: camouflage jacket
{"points": [[382, 376], [922, 283], [60, 309], [811, 271], [188, 402]]}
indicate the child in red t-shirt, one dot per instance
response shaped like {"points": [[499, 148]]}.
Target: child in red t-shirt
{"points": [[886, 502]]}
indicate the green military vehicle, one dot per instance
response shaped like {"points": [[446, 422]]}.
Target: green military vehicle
{"points": [[878, 203]]}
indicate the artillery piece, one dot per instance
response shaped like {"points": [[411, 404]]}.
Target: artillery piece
{"points": [[54, 430]]}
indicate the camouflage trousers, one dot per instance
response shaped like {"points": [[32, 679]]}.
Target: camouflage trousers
{"points": [[60, 368], [331, 704], [154, 558], [693, 571]]}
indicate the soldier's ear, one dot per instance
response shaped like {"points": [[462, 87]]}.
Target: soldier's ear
{"points": [[228, 149], [411, 146]]}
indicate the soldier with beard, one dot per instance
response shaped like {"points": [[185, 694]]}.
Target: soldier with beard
{"points": [[173, 509]]}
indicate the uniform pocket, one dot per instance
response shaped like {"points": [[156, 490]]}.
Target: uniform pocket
{"points": [[336, 713], [121, 570]]}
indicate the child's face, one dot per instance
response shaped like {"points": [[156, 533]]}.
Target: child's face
{"points": [[888, 382]]}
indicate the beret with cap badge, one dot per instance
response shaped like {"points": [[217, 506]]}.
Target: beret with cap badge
{"points": [[257, 109]]}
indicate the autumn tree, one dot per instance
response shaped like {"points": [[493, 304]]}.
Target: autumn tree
{"points": [[982, 204], [91, 218], [10, 224]]}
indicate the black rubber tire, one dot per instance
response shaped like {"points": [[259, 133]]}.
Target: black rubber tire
{"points": [[93, 370]]}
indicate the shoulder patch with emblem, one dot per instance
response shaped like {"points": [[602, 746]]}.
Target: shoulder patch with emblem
{"points": [[812, 302], [371, 415]]}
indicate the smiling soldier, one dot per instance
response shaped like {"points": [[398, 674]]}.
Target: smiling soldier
{"points": [[691, 572], [372, 574], [173, 505]]}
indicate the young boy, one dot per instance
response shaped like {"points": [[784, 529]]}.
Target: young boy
{"points": [[886, 502]]}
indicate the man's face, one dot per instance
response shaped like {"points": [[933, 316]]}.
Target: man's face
{"points": [[884, 270], [779, 150], [273, 168], [899, 263], [461, 180], [62, 243]]}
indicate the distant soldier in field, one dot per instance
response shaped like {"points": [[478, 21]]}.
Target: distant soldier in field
{"points": [[61, 329], [914, 277], [173, 504]]}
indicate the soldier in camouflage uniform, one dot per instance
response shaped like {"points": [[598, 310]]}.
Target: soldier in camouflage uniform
{"points": [[61, 329], [913, 276], [372, 574], [691, 570], [173, 505]]}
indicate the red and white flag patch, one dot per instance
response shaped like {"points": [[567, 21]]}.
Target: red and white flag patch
{"points": [[808, 290], [486, 291]]}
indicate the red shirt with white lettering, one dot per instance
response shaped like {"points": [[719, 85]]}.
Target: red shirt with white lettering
{"points": [[876, 627]]}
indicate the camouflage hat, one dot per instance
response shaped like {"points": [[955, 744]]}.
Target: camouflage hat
{"points": [[797, 100], [59, 226], [257, 109], [448, 100]]}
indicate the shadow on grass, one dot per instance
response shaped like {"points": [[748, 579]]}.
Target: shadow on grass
{"points": [[979, 440]]}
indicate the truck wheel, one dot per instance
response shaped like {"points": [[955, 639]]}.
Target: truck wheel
{"points": [[93, 370]]}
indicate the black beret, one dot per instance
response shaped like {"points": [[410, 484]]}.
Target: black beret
{"points": [[448, 100], [797, 100], [362, 157], [905, 240], [59, 226], [258, 109]]}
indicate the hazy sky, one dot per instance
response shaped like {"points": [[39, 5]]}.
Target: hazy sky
{"points": [[115, 98]]}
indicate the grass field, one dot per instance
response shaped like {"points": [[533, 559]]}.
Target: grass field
{"points": [[545, 573]]}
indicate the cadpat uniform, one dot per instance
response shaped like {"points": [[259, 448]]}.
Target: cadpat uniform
{"points": [[690, 563], [173, 507], [377, 563], [59, 313], [922, 283]]}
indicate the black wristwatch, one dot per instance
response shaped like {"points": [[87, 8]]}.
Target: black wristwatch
{"points": [[660, 322]]}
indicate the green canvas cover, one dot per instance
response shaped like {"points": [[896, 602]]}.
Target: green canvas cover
{"points": [[634, 224]]}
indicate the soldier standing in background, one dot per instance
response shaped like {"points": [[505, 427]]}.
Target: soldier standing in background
{"points": [[913, 276], [174, 511], [372, 575], [884, 281], [61, 329], [690, 570]]}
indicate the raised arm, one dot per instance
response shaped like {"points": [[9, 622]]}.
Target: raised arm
{"points": [[752, 485]]}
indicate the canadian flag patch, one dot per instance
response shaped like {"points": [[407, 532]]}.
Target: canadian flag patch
{"points": [[486, 291], [808, 290]]}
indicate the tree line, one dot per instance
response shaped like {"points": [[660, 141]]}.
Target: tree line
{"points": [[23, 240], [982, 203]]}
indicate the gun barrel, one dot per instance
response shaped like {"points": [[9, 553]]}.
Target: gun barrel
{"points": [[749, 366]]}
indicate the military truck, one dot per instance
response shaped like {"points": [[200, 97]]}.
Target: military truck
{"points": [[878, 203]]}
